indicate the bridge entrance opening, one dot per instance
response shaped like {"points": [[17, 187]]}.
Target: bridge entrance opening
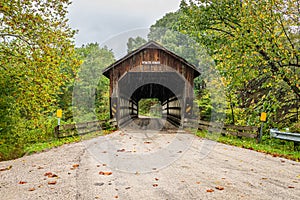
{"points": [[149, 108]]}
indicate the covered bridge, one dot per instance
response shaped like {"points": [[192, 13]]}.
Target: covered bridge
{"points": [[151, 71]]}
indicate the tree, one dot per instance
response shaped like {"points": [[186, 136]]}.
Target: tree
{"points": [[134, 43], [166, 31], [91, 90], [256, 47], [37, 62]]}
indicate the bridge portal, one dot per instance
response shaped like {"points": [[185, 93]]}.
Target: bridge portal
{"points": [[151, 71]]}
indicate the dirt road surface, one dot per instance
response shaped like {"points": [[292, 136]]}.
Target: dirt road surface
{"points": [[131, 164]]}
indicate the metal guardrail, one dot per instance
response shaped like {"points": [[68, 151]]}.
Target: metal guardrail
{"points": [[285, 135]]}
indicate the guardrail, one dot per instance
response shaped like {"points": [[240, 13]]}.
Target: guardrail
{"points": [[295, 137]]}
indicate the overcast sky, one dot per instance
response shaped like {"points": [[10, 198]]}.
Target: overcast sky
{"points": [[105, 20]]}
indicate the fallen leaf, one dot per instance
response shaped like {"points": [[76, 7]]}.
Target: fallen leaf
{"points": [[198, 182], [48, 174], [156, 179], [75, 165], [298, 176], [282, 161], [51, 182], [31, 189], [52, 176], [147, 142], [127, 188], [155, 185], [22, 182], [264, 178], [121, 150], [99, 184], [291, 187], [210, 190], [116, 196], [104, 165], [39, 167], [219, 188], [105, 173], [6, 168]]}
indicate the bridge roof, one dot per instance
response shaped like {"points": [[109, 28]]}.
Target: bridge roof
{"points": [[150, 45]]}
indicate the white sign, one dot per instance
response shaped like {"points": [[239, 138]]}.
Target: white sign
{"points": [[151, 62]]}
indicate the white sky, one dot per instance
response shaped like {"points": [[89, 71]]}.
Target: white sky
{"points": [[103, 20]]}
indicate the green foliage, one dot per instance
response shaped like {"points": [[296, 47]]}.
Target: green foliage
{"points": [[91, 90], [134, 43], [255, 45], [295, 128], [37, 60], [150, 108]]}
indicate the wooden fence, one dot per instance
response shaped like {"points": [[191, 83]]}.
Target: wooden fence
{"points": [[88, 127], [82, 128], [240, 131]]}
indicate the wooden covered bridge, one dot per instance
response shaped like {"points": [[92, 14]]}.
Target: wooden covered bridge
{"points": [[151, 71]]}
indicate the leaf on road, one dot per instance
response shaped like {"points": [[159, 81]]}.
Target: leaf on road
{"points": [[198, 182], [51, 182], [116, 196], [99, 184], [22, 182], [156, 179], [121, 150], [76, 165], [50, 175], [298, 176], [147, 142], [105, 173], [219, 187], [31, 189], [210, 190], [291, 187], [6, 168]]}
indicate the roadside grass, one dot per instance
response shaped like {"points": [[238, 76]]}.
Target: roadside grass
{"points": [[272, 146], [56, 142]]}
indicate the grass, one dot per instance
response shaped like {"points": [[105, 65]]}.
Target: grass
{"points": [[56, 142], [272, 146]]}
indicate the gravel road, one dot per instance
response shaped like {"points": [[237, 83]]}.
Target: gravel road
{"points": [[131, 164]]}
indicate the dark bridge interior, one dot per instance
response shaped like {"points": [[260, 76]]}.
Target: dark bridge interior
{"points": [[167, 87]]}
